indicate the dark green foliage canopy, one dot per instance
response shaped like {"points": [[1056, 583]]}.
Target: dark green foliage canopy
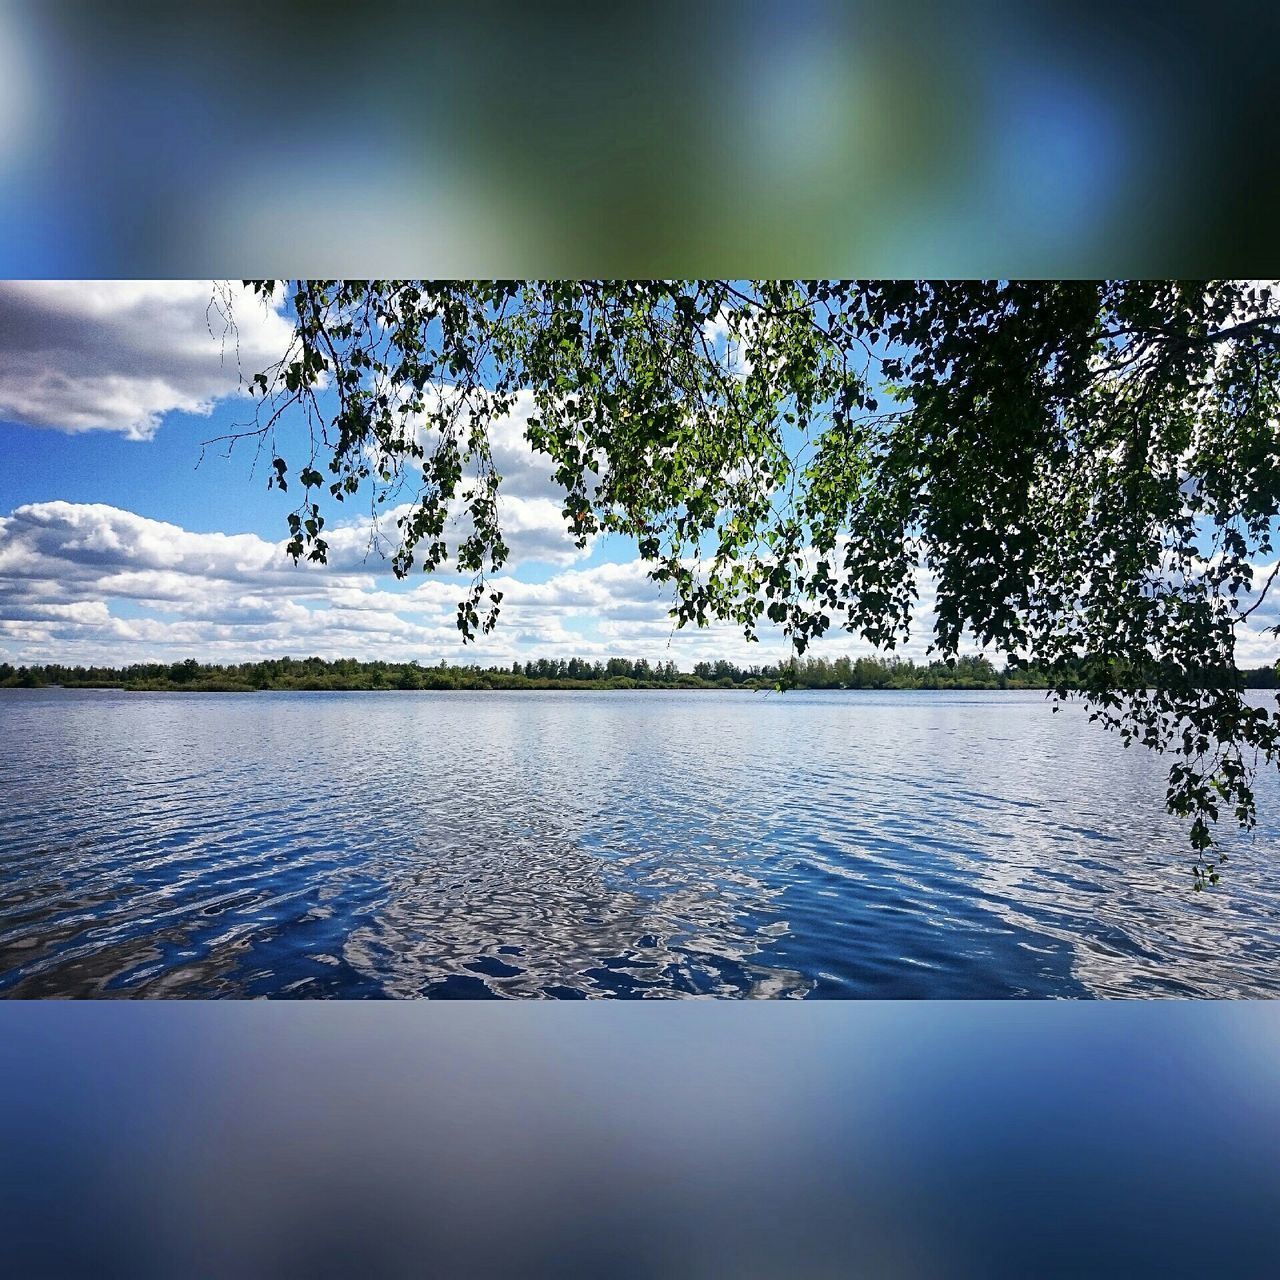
{"points": [[1087, 469]]}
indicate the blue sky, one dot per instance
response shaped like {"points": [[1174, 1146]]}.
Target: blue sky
{"points": [[158, 478], [173, 477], [119, 543]]}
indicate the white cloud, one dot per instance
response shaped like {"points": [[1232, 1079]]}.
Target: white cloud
{"points": [[93, 583], [117, 356], [534, 530], [1256, 642], [525, 473], [530, 501]]}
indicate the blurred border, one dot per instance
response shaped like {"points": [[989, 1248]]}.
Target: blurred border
{"points": [[693, 1139], [785, 137], [698, 1140]]}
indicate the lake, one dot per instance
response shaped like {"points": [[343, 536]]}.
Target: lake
{"points": [[610, 844]]}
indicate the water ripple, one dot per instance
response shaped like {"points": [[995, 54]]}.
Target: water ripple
{"points": [[569, 845]]}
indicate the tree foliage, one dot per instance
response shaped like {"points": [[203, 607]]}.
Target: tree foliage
{"points": [[1087, 469], [534, 673]]}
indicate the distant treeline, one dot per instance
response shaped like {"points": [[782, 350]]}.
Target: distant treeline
{"points": [[554, 673]]}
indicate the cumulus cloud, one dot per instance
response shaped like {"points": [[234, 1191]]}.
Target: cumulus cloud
{"points": [[118, 355], [92, 583], [525, 473], [1256, 641], [530, 501], [534, 530]]}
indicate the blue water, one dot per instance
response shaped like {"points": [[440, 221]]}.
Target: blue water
{"points": [[563, 845]]}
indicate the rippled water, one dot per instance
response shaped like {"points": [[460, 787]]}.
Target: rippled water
{"points": [[605, 844]]}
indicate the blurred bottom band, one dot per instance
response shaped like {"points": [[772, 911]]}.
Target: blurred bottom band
{"points": [[693, 1139]]}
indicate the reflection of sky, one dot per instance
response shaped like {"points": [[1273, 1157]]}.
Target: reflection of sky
{"points": [[830, 845], [543, 917]]}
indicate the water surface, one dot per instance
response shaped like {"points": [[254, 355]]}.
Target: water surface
{"points": [[571, 844]]}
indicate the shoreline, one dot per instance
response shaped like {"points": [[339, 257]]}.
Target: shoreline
{"points": [[532, 688]]}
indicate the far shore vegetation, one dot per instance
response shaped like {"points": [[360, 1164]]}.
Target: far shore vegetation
{"points": [[319, 674]]}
